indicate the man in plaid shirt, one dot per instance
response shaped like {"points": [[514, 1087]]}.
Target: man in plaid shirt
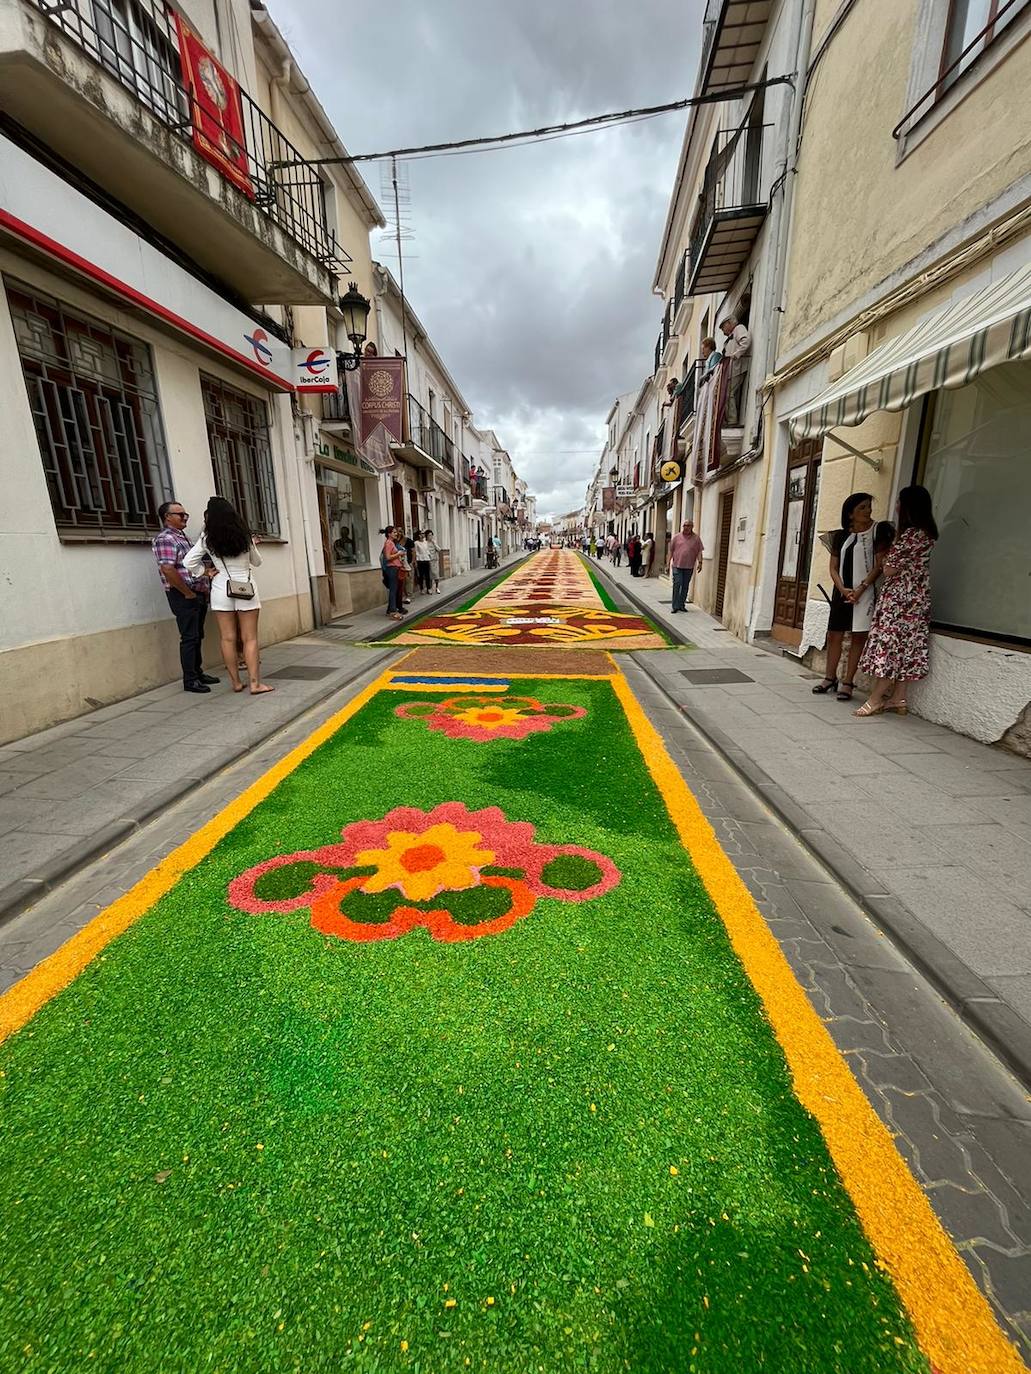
{"points": [[187, 595]]}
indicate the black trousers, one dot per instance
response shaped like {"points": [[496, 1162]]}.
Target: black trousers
{"points": [[422, 572], [189, 615]]}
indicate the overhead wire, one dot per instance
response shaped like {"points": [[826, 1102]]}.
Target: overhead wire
{"points": [[547, 132]]}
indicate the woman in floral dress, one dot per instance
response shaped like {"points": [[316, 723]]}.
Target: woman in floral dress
{"points": [[897, 645]]}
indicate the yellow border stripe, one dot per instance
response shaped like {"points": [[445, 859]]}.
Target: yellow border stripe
{"points": [[953, 1322], [20, 1003]]}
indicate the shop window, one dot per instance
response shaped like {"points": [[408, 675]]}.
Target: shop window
{"points": [[975, 466], [346, 517], [95, 408], [241, 454]]}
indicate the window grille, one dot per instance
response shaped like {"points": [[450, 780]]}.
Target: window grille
{"points": [[95, 408], [241, 454]]}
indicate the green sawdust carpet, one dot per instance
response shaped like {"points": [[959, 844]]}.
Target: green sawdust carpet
{"points": [[236, 1143]]}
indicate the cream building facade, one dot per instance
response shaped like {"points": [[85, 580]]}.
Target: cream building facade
{"points": [[905, 350]]}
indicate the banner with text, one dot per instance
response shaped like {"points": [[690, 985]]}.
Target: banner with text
{"points": [[382, 397]]}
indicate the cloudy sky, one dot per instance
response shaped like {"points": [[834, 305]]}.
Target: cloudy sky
{"points": [[531, 267]]}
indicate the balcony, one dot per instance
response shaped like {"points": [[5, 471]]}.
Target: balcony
{"points": [[336, 413], [426, 445], [100, 83], [734, 32], [686, 403], [731, 210], [479, 492]]}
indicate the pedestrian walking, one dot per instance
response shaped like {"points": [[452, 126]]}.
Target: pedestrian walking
{"points": [[407, 543], [685, 558], [594, 547], [431, 544], [633, 553], [858, 550], [897, 646], [186, 592], [423, 576], [228, 545], [391, 560], [617, 551]]}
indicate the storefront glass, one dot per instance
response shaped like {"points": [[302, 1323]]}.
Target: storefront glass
{"points": [[977, 470], [343, 499]]}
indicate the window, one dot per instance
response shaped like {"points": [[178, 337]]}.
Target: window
{"points": [[975, 467], [238, 438], [95, 409], [968, 20], [346, 517], [135, 42]]}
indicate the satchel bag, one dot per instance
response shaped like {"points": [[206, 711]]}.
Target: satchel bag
{"points": [[238, 589]]}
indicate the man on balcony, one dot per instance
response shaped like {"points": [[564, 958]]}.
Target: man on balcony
{"points": [[736, 349], [685, 556]]}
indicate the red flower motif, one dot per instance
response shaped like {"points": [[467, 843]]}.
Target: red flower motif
{"points": [[484, 718], [421, 854]]}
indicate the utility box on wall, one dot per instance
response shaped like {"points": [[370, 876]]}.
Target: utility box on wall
{"points": [[445, 563]]}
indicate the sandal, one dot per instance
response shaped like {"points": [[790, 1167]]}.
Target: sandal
{"points": [[829, 684], [899, 707], [845, 691], [869, 708]]}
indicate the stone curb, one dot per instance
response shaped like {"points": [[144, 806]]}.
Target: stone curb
{"points": [[438, 606], [15, 897], [617, 589], [974, 1001]]}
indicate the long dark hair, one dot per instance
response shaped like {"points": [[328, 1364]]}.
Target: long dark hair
{"points": [[848, 507], [915, 511], [225, 533]]}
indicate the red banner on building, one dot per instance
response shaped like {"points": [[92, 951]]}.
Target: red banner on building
{"points": [[382, 397], [216, 109], [608, 498]]}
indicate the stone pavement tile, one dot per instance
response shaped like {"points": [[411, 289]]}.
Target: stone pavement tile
{"points": [[126, 725], [1015, 989], [913, 799], [850, 1034], [969, 915], [72, 780], [734, 801], [779, 848], [969, 1214], [890, 1071], [999, 1151], [1013, 811], [965, 1074], [807, 781], [1010, 1277], [934, 1130], [994, 852], [850, 758], [53, 734], [857, 940], [23, 850], [801, 725], [987, 756], [9, 781], [878, 838], [20, 812], [888, 740], [959, 778], [52, 756]]}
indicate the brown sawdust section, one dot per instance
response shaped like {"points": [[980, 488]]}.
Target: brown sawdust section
{"points": [[458, 658]]}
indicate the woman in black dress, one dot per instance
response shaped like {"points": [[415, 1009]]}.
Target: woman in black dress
{"points": [[858, 550]]}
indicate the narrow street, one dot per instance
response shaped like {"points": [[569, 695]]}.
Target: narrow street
{"points": [[484, 1017]]}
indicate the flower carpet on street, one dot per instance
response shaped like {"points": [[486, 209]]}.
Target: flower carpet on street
{"points": [[440, 1050], [552, 599]]}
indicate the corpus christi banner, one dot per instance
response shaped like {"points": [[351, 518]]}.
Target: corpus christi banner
{"points": [[382, 396], [216, 110]]}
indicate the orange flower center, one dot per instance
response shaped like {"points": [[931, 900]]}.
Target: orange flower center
{"points": [[488, 716], [422, 857]]}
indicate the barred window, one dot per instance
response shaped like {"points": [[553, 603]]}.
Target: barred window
{"points": [[95, 408], [238, 437]]}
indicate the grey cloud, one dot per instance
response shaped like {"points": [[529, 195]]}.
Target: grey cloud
{"points": [[530, 267]]}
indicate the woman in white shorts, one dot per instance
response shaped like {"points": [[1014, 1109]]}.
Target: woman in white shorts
{"points": [[228, 545]]}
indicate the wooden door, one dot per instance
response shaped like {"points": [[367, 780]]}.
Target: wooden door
{"points": [[397, 502], [796, 541], [726, 529]]}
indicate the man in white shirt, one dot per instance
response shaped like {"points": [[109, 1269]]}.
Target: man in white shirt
{"points": [[737, 345]]}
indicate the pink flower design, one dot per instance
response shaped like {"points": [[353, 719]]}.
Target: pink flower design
{"points": [[422, 854], [485, 718]]}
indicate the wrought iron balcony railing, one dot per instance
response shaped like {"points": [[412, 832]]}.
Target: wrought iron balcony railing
{"points": [[136, 42], [335, 407], [731, 208]]}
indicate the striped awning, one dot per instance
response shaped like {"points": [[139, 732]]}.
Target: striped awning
{"points": [[948, 349]]}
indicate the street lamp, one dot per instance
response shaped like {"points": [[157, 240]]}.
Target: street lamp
{"points": [[355, 310]]}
